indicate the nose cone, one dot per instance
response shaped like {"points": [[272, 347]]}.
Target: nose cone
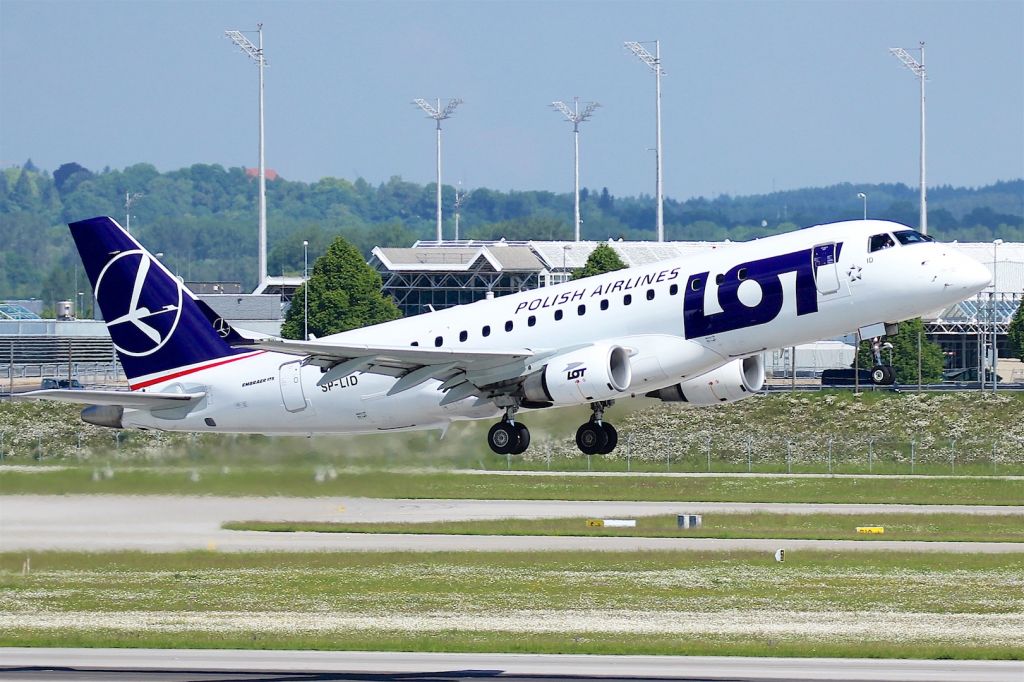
{"points": [[966, 276]]}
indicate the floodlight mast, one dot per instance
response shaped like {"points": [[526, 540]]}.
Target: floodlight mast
{"points": [[917, 68], [255, 52], [654, 62], [438, 114], [575, 116]]}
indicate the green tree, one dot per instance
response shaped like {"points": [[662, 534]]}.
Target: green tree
{"points": [[1016, 332], [602, 259], [904, 354], [344, 293]]}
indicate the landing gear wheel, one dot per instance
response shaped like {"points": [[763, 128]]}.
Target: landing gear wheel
{"points": [[879, 375], [523, 439], [591, 438], [503, 438], [890, 375], [613, 438]]}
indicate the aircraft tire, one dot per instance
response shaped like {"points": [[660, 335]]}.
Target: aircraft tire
{"points": [[591, 438], [503, 438], [890, 375], [523, 439], [879, 375], [613, 438]]}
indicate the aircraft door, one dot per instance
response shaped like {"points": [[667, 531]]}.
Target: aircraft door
{"points": [[826, 270], [291, 386]]}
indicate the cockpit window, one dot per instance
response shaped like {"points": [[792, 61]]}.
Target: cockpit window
{"points": [[880, 241], [911, 237]]}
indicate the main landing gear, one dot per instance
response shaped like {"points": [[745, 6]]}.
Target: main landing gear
{"points": [[597, 437], [509, 437], [881, 374]]}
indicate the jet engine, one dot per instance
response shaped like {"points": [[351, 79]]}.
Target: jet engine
{"points": [[597, 372], [733, 381]]}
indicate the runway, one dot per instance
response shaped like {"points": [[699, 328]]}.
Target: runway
{"points": [[192, 664], [166, 523]]}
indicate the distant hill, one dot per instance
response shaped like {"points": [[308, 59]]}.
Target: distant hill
{"points": [[203, 218]]}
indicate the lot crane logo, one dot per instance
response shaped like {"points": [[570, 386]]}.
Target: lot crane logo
{"points": [[142, 304]]}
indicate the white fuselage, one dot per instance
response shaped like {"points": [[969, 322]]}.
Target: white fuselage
{"points": [[271, 392]]}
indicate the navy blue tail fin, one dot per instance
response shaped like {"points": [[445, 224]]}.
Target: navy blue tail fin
{"points": [[154, 321]]}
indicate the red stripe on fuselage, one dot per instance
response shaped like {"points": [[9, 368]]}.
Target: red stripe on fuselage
{"points": [[186, 372]]}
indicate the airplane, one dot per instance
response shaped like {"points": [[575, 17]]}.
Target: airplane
{"points": [[689, 329]]}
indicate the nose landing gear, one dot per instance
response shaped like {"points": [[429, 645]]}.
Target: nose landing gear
{"points": [[881, 374]]}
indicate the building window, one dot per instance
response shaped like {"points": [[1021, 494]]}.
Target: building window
{"points": [[650, 294], [558, 315], [508, 326], [486, 331], [673, 290], [532, 320], [438, 340], [463, 335], [604, 304], [581, 310], [627, 299]]}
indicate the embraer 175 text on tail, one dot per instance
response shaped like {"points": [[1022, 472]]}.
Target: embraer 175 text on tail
{"points": [[690, 329]]}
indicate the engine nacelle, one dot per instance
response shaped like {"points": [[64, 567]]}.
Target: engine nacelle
{"points": [[597, 372], [734, 381]]}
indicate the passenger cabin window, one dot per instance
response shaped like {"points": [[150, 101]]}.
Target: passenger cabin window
{"points": [[558, 315], [415, 343], [532, 320], [463, 335], [673, 290], [604, 304], [741, 274], [508, 326], [486, 331], [627, 299], [696, 284], [719, 279], [650, 294], [581, 310], [880, 241], [911, 237], [438, 340]]}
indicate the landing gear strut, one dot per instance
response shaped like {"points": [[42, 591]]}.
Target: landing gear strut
{"points": [[509, 437], [881, 374], [597, 437]]}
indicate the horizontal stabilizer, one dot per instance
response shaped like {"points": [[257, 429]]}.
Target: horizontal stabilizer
{"points": [[133, 399]]}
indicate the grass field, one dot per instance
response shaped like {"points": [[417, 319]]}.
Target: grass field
{"points": [[814, 604], [926, 527], [310, 481]]}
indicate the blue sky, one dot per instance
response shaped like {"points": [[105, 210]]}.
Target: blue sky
{"points": [[756, 96]]}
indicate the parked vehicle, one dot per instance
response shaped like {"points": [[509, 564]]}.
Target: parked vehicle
{"points": [[60, 383]]}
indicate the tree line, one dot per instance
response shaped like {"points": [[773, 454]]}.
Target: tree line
{"points": [[203, 218]]}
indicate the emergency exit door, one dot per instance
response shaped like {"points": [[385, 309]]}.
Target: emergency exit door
{"points": [[291, 386]]}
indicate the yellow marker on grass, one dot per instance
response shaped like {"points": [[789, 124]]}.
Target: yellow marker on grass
{"points": [[871, 530]]}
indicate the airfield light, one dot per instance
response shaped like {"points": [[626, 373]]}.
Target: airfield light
{"points": [[864, 197], [654, 62], [575, 116], [438, 114], [255, 52], [129, 199], [917, 68]]}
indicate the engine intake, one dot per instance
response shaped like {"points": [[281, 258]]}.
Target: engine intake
{"points": [[597, 372], [733, 381]]}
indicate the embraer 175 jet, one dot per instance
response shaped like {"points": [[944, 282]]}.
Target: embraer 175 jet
{"points": [[690, 329]]}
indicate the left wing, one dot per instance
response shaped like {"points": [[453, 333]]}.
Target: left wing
{"points": [[483, 373]]}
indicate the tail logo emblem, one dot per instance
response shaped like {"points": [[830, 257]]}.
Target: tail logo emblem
{"points": [[141, 323]]}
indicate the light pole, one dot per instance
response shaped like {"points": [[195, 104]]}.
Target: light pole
{"points": [[460, 199], [438, 114], [129, 199], [917, 68], [654, 62], [81, 304], [255, 52], [864, 197], [995, 331], [576, 117], [305, 290]]}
